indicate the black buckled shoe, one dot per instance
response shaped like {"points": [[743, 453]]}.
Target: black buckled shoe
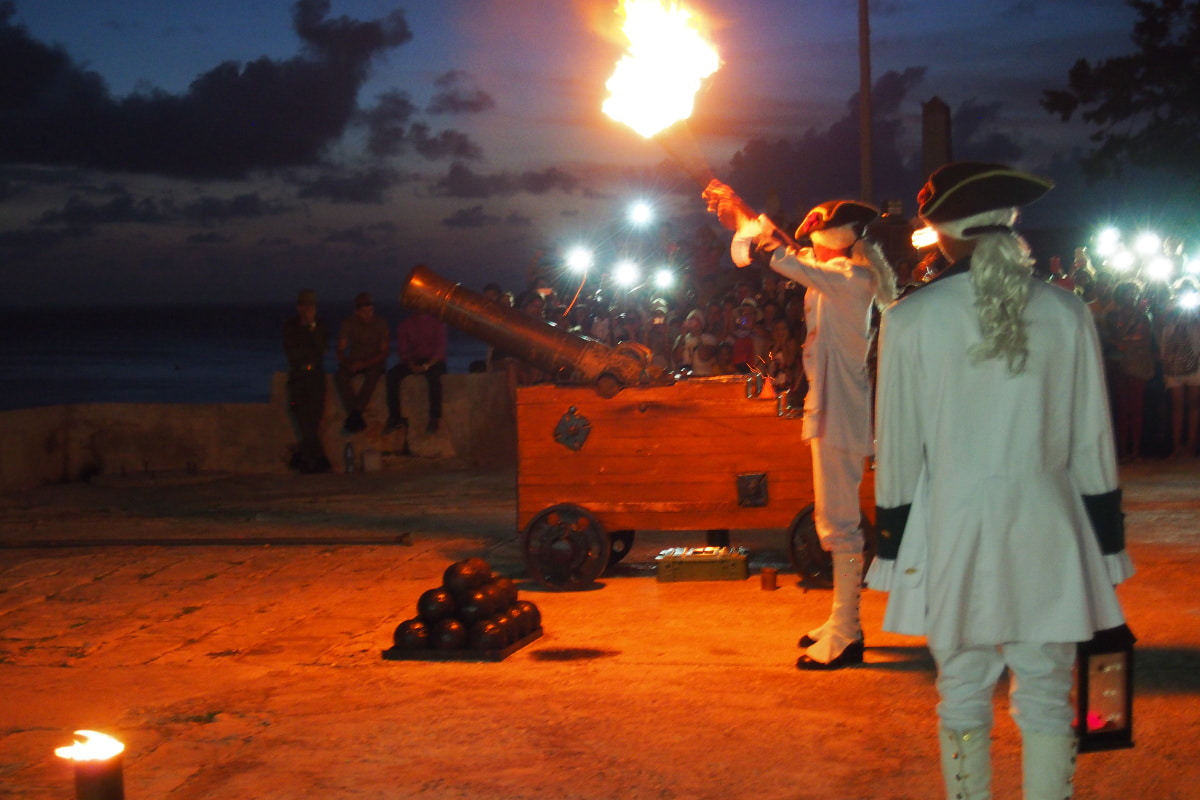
{"points": [[853, 654]]}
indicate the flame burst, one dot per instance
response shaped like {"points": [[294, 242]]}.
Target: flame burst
{"points": [[655, 82], [92, 746]]}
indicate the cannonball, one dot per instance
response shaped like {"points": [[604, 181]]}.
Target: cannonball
{"points": [[475, 606], [435, 604], [449, 634], [412, 634], [535, 615], [463, 577], [520, 620], [507, 590], [481, 566], [487, 635], [509, 625]]}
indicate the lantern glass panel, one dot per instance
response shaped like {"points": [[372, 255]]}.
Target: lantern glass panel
{"points": [[1106, 701]]}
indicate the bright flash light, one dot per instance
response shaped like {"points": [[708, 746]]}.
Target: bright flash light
{"points": [[1147, 244], [625, 273], [924, 237], [579, 259], [91, 746], [1160, 269], [664, 279], [656, 80], [1192, 266], [640, 213], [1123, 261], [1107, 242], [1189, 300]]}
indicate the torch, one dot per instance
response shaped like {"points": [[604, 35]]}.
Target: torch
{"points": [[97, 760], [653, 91]]}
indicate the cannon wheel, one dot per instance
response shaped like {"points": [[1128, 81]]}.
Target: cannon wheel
{"points": [[564, 547], [621, 543], [814, 563]]}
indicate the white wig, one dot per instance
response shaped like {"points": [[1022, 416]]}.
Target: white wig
{"points": [[1000, 269]]}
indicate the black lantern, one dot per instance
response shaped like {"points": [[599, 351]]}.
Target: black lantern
{"points": [[1104, 691]]}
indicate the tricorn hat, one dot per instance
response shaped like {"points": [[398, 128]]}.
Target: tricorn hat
{"points": [[836, 224], [965, 188]]}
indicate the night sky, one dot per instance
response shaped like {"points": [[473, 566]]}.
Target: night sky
{"points": [[162, 151]]}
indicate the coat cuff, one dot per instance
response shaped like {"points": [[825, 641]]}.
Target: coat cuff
{"points": [[1119, 566], [1104, 511], [879, 575], [891, 523]]}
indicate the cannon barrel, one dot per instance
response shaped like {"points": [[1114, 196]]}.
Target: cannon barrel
{"points": [[546, 346]]}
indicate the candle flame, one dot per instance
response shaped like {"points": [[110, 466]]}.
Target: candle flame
{"points": [[91, 746], [667, 60]]}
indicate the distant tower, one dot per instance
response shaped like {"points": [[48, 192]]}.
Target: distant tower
{"points": [[935, 135]]}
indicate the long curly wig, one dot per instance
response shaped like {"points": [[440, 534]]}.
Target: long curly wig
{"points": [[1001, 266]]}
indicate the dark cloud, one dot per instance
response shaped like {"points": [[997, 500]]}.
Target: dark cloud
{"points": [[518, 220], [124, 208], [368, 186], [209, 237], [232, 120], [473, 217], [391, 131], [461, 181], [976, 136], [453, 98], [83, 214]]}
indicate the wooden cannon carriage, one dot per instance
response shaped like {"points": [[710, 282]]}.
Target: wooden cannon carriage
{"points": [[621, 447]]}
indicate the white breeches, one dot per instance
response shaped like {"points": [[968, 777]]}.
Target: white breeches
{"points": [[837, 474], [1039, 685]]}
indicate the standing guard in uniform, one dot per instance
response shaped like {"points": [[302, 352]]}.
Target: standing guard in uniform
{"points": [[998, 506], [304, 343], [843, 278]]}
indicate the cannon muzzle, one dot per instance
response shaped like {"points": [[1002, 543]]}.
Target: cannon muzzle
{"points": [[543, 344]]}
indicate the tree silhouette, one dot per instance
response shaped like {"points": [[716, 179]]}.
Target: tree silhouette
{"points": [[1144, 106]]}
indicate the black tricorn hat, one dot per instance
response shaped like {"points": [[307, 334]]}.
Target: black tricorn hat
{"points": [[836, 214], [966, 188]]}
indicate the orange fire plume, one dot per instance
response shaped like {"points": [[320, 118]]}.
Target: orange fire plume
{"points": [[653, 91]]}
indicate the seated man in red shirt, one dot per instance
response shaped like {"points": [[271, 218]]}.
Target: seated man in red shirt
{"points": [[421, 342]]}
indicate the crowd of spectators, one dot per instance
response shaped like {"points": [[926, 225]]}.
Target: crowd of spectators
{"points": [[1150, 332], [735, 322]]}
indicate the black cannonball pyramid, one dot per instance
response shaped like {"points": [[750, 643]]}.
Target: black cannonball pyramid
{"points": [[412, 634], [449, 634], [435, 605]]}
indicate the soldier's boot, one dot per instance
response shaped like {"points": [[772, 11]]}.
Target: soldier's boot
{"points": [[840, 642], [967, 763], [1048, 765]]}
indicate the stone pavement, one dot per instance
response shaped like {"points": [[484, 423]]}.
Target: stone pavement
{"points": [[251, 668]]}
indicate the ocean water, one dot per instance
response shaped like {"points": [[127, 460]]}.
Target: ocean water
{"points": [[157, 354]]}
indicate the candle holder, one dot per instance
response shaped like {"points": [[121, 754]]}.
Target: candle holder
{"points": [[1104, 691], [98, 763]]}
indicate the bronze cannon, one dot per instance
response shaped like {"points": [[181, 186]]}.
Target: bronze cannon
{"points": [[617, 445]]}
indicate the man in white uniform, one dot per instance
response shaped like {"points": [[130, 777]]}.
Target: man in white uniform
{"points": [[1001, 534], [841, 284]]}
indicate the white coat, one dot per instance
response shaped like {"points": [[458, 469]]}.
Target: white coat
{"points": [[837, 308], [998, 546]]}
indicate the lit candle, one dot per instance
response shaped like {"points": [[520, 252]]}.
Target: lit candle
{"points": [[97, 760]]}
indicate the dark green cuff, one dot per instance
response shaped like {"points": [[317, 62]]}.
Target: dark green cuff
{"points": [[1104, 511], [891, 523]]}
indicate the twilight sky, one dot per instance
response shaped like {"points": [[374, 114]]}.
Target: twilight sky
{"points": [[167, 151]]}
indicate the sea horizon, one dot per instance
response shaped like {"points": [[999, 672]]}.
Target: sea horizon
{"points": [[160, 353]]}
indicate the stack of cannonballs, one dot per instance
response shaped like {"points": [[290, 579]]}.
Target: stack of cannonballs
{"points": [[475, 608]]}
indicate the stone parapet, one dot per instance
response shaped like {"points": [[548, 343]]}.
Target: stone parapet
{"points": [[64, 443]]}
